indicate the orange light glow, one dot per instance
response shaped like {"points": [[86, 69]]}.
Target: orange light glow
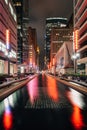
{"points": [[76, 118], [52, 88], [8, 39], [30, 60], [77, 104], [75, 40], [7, 120]]}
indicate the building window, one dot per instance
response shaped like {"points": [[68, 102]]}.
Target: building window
{"points": [[2, 47], [1, 66]]}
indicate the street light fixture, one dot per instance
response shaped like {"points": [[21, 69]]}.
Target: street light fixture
{"points": [[75, 56]]}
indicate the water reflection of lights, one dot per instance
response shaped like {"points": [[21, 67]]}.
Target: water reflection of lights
{"points": [[10, 98], [52, 88], [1, 108], [33, 89], [7, 117], [76, 118], [77, 102], [76, 98]]}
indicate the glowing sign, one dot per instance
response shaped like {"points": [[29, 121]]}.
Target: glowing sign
{"points": [[7, 39], [75, 40]]}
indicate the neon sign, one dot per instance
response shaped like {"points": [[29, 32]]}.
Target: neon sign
{"points": [[75, 40], [7, 39]]}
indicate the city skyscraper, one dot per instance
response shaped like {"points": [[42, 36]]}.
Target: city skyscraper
{"points": [[80, 24], [22, 8], [19, 10], [8, 38], [32, 53], [51, 23], [58, 37]]}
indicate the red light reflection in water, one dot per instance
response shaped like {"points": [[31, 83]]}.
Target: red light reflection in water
{"points": [[76, 117], [52, 88], [7, 120], [33, 90]]}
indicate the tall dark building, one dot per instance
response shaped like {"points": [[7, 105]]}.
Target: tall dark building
{"points": [[51, 23], [25, 25], [22, 7], [19, 10]]}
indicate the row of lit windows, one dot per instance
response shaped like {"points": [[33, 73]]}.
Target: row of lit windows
{"points": [[17, 4], [11, 10], [55, 25], [55, 18]]}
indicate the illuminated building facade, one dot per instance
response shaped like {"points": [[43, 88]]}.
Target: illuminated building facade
{"points": [[51, 23], [63, 60], [80, 23], [8, 38], [58, 37]]}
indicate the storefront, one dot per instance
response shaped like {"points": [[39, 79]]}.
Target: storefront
{"points": [[1, 66]]}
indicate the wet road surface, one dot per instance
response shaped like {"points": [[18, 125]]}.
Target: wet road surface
{"points": [[46, 104]]}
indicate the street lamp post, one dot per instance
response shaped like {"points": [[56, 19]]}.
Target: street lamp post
{"points": [[75, 65], [75, 56]]}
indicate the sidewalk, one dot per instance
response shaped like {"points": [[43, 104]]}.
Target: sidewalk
{"points": [[80, 82], [69, 79], [75, 84]]}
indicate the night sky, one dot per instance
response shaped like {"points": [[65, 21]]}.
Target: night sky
{"points": [[40, 9]]}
